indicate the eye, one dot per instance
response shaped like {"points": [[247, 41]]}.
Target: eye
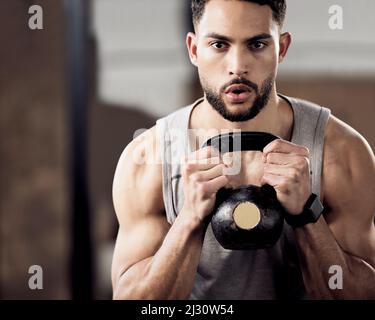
{"points": [[257, 45], [218, 45]]}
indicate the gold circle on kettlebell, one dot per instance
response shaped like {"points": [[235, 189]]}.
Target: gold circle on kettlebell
{"points": [[246, 215]]}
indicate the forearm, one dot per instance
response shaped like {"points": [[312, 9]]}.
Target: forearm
{"points": [[318, 251], [170, 273]]}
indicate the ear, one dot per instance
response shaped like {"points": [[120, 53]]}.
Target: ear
{"points": [[191, 43], [284, 43]]}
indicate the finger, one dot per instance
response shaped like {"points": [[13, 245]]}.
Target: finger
{"points": [[272, 179], [209, 174], [281, 170], [278, 158], [214, 160], [282, 146], [202, 164], [212, 186], [286, 159], [204, 153]]}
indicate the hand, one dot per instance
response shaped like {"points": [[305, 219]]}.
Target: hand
{"points": [[202, 175], [287, 169]]}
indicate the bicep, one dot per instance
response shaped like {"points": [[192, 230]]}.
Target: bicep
{"points": [[137, 241], [142, 226], [138, 202]]}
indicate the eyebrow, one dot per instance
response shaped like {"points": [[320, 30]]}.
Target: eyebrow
{"points": [[262, 36]]}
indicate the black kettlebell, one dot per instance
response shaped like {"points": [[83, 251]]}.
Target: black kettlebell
{"points": [[249, 217]]}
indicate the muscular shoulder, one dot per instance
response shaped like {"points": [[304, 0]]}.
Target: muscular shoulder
{"points": [[137, 185], [348, 185], [338, 137], [348, 168]]}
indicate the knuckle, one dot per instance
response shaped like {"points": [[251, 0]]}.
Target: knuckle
{"points": [[294, 175], [222, 167], [271, 146], [271, 157], [284, 188], [204, 188], [197, 176], [305, 150], [192, 180], [277, 143], [188, 167], [201, 189], [226, 180], [303, 163], [282, 185]]}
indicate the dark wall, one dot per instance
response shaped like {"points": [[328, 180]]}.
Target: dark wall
{"points": [[34, 193]]}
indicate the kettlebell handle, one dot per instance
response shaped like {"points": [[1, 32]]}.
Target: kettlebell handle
{"points": [[240, 141]]}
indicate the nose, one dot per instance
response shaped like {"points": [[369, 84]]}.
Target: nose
{"points": [[238, 64]]}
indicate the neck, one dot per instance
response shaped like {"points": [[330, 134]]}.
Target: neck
{"points": [[276, 118]]}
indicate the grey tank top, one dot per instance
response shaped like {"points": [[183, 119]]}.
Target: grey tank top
{"points": [[271, 273]]}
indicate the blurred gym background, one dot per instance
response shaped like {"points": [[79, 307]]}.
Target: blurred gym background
{"points": [[73, 93]]}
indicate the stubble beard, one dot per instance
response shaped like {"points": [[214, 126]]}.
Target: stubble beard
{"points": [[262, 97]]}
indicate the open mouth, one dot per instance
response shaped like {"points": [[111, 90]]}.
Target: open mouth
{"points": [[237, 89], [238, 93]]}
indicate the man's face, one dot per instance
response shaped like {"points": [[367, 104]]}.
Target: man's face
{"points": [[237, 54]]}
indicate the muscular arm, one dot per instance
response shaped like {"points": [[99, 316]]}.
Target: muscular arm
{"points": [[345, 236], [152, 260]]}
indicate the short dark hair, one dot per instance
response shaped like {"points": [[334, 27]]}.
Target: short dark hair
{"points": [[278, 9]]}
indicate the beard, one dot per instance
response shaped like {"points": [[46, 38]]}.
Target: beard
{"points": [[261, 98]]}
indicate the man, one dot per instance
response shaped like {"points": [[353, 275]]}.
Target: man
{"points": [[165, 248]]}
